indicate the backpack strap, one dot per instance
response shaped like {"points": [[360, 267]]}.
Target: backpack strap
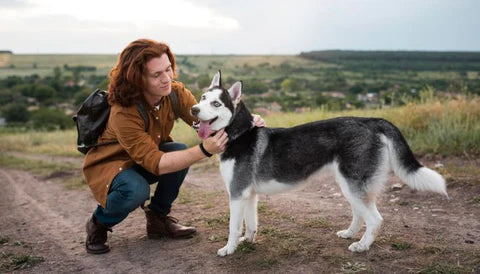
{"points": [[143, 113], [175, 104]]}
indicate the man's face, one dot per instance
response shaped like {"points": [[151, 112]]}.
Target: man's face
{"points": [[159, 78]]}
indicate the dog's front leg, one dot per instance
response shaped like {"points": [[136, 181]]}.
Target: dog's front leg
{"points": [[251, 220], [236, 220]]}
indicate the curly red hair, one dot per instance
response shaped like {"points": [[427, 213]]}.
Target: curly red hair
{"points": [[127, 78]]}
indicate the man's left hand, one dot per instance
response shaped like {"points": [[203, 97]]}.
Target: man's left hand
{"points": [[258, 121]]}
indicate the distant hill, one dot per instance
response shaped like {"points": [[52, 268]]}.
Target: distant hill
{"points": [[409, 60], [6, 52]]}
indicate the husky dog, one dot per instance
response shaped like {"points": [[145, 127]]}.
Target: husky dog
{"points": [[360, 151]]}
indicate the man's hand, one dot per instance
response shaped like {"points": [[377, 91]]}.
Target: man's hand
{"points": [[258, 121], [216, 143]]}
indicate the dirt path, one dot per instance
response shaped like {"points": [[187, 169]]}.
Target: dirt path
{"points": [[421, 231]]}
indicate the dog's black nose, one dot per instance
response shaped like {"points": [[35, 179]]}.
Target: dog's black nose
{"points": [[195, 111]]}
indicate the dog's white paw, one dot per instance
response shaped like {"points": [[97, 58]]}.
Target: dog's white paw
{"points": [[345, 234], [358, 247], [226, 250]]}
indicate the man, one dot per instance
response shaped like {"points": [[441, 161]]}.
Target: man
{"points": [[119, 174]]}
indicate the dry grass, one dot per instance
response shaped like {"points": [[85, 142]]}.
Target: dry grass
{"points": [[450, 127]]}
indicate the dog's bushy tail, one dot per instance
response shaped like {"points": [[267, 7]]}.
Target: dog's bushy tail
{"points": [[406, 167]]}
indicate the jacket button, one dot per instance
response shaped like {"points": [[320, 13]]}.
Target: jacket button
{"points": [[120, 169], [156, 118], [107, 186], [158, 136]]}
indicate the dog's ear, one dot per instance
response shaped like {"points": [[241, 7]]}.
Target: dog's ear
{"points": [[235, 92], [217, 80]]}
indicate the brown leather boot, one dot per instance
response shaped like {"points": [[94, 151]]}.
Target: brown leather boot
{"points": [[159, 226], [96, 237]]}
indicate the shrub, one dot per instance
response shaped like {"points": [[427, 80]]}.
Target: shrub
{"points": [[15, 113], [50, 119]]}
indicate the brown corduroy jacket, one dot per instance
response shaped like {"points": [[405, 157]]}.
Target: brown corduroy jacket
{"points": [[135, 145]]}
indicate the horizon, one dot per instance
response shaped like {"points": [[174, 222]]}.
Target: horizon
{"points": [[3, 51]]}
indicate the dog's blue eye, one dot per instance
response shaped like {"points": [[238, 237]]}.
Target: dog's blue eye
{"points": [[216, 104]]}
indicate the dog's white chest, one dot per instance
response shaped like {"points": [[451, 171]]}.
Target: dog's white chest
{"points": [[226, 169]]}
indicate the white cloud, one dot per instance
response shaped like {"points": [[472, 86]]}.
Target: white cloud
{"points": [[178, 13]]}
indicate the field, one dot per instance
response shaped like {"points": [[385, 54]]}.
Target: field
{"points": [[43, 64], [252, 67]]}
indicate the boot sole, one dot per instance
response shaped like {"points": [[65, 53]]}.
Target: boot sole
{"points": [[101, 251]]}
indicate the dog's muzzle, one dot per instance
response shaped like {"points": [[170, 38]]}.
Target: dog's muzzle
{"points": [[194, 111]]}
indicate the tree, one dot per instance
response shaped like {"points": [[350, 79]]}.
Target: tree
{"points": [[50, 119], [289, 85], [12, 81], [320, 99], [8, 96], [15, 113], [42, 93], [57, 73], [26, 90], [253, 86], [80, 96]]}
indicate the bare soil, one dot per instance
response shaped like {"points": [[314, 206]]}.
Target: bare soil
{"points": [[422, 232]]}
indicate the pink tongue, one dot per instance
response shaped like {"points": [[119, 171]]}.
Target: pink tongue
{"points": [[204, 131]]}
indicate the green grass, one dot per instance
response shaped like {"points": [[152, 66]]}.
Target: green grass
{"points": [[246, 247], [220, 221], [10, 261], [23, 64], [54, 60], [355, 267], [401, 245], [69, 173], [318, 222], [25, 261], [55, 143], [41, 167]]}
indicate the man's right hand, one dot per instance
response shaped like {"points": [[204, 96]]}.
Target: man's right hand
{"points": [[216, 143]]}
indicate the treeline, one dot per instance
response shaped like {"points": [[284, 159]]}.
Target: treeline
{"points": [[401, 60], [46, 102]]}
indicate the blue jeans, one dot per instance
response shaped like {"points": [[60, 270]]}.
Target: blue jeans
{"points": [[131, 188]]}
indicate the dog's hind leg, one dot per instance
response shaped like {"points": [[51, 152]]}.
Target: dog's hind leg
{"points": [[251, 220], [373, 221], [365, 203], [354, 227], [356, 223], [363, 208], [237, 207]]}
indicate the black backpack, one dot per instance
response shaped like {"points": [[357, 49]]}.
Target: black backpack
{"points": [[92, 118]]}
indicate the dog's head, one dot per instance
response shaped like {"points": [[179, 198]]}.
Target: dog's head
{"points": [[216, 107]]}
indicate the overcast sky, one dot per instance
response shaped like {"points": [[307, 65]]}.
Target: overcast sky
{"points": [[239, 27]]}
